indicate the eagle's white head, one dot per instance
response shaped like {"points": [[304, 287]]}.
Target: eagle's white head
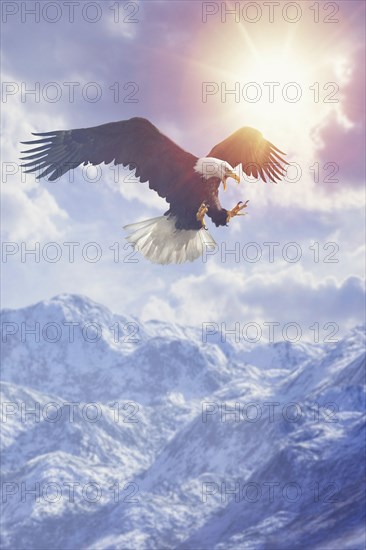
{"points": [[209, 167]]}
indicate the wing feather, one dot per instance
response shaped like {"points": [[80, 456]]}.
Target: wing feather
{"points": [[135, 142], [257, 156]]}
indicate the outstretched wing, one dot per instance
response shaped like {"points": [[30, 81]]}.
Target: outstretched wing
{"points": [[135, 143], [258, 157]]}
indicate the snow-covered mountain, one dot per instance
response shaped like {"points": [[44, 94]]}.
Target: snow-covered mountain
{"points": [[121, 434]]}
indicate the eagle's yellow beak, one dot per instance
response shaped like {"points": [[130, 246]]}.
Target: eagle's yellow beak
{"points": [[230, 174], [235, 176]]}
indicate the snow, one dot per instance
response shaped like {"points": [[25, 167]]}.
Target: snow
{"points": [[151, 432]]}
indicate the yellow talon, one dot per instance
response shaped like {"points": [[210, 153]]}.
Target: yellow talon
{"points": [[201, 213], [236, 211]]}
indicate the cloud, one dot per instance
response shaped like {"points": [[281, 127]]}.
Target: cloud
{"points": [[168, 54], [29, 211], [342, 135], [156, 308], [287, 295], [31, 217]]}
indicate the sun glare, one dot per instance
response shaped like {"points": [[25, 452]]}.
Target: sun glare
{"points": [[281, 89], [275, 67], [283, 92]]}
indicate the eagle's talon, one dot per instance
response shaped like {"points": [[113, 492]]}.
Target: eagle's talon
{"points": [[201, 214], [236, 211]]}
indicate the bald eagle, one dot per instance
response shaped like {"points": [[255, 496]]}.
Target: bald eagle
{"points": [[188, 183]]}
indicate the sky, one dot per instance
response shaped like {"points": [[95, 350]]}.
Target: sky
{"points": [[198, 71]]}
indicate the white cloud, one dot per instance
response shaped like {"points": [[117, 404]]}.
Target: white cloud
{"points": [[156, 308], [284, 295], [29, 211], [31, 218]]}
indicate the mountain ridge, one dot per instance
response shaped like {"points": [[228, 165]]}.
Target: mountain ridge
{"points": [[170, 420]]}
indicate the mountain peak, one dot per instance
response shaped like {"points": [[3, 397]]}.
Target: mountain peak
{"points": [[175, 419]]}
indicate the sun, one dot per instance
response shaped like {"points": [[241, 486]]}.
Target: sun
{"points": [[279, 87], [283, 87], [274, 78], [275, 66]]}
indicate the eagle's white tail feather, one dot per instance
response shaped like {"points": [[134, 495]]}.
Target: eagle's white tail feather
{"points": [[143, 224], [160, 242]]}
